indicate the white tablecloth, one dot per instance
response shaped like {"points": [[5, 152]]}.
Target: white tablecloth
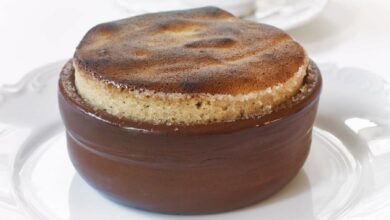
{"points": [[33, 33]]}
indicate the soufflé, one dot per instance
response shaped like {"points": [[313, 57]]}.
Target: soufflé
{"points": [[188, 112]]}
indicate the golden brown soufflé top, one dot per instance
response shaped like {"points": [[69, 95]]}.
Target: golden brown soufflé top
{"points": [[205, 50]]}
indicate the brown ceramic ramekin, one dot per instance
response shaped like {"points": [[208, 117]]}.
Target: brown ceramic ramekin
{"points": [[188, 169]]}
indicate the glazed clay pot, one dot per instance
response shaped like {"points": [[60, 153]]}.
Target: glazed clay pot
{"points": [[195, 169]]}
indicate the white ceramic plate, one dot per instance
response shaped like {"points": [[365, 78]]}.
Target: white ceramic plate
{"points": [[239, 8], [347, 174], [287, 14], [284, 14]]}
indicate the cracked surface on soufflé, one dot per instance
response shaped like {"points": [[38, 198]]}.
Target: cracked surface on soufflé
{"points": [[188, 67]]}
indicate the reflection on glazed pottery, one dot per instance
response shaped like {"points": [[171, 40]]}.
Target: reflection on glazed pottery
{"points": [[346, 175], [85, 203], [329, 186]]}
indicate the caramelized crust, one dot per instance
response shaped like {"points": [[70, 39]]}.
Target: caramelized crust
{"points": [[199, 51]]}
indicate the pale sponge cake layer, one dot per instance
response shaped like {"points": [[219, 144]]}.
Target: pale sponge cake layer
{"points": [[188, 67], [178, 108]]}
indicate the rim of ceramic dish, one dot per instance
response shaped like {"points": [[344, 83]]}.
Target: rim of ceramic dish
{"points": [[282, 112]]}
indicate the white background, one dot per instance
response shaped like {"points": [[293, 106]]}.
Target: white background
{"points": [[35, 32]]}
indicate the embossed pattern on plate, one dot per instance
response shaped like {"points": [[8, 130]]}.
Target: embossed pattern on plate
{"points": [[346, 176]]}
